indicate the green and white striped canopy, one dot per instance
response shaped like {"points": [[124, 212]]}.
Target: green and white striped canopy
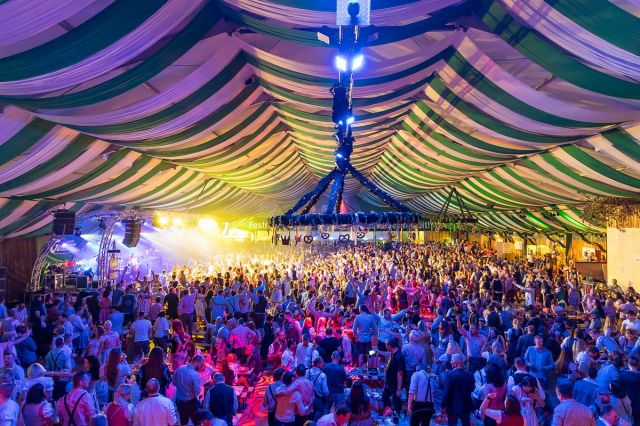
{"points": [[223, 107]]}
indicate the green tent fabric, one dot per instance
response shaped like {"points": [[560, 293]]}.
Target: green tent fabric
{"points": [[470, 95]]}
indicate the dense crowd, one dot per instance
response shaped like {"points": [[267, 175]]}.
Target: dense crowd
{"points": [[343, 337]]}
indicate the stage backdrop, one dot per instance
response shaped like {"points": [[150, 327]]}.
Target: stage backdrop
{"points": [[18, 256]]}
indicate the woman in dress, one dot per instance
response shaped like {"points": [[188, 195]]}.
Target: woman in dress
{"points": [[93, 347], [105, 305], [611, 321], [179, 341], [92, 366], [201, 304], [565, 367], [530, 397], [574, 296], [497, 387], [597, 316], [120, 412], [155, 368], [510, 416], [115, 371], [108, 341], [358, 402], [37, 411]]}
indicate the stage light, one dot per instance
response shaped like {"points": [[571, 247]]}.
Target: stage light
{"points": [[207, 224], [163, 220], [339, 155], [176, 221], [357, 62], [341, 63], [351, 120], [238, 234]]}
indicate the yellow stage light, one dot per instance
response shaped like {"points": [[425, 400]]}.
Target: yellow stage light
{"points": [[176, 221], [208, 225], [238, 234], [163, 220]]}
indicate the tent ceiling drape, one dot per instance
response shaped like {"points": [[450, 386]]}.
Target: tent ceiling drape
{"points": [[224, 107]]}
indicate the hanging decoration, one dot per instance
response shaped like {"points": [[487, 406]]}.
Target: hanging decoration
{"points": [[612, 211], [349, 59]]}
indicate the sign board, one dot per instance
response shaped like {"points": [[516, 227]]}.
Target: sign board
{"points": [[344, 18]]}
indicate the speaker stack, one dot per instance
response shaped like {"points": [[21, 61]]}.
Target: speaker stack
{"points": [[132, 228], [64, 222]]}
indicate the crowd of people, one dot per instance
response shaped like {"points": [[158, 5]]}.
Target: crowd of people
{"points": [[405, 332]]}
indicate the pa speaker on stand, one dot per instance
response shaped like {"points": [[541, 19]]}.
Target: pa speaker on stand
{"points": [[64, 222], [132, 229]]}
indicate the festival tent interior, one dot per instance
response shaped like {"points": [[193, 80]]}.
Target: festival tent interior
{"points": [[528, 111]]}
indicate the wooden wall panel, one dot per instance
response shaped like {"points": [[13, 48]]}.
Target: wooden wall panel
{"points": [[440, 236], [578, 245], [18, 256]]}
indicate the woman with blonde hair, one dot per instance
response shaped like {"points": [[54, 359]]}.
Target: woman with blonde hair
{"points": [[120, 412], [579, 345], [36, 374]]}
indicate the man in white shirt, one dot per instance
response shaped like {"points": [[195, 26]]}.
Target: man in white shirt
{"points": [[161, 331], [338, 418], [141, 335], [608, 417], [288, 358], [240, 337], [631, 323], [164, 279], [155, 410], [304, 352]]}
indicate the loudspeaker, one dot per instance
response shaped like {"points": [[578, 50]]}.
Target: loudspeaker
{"points": [[64, 222], [71, 281], [132, 228], [81, 282]]}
